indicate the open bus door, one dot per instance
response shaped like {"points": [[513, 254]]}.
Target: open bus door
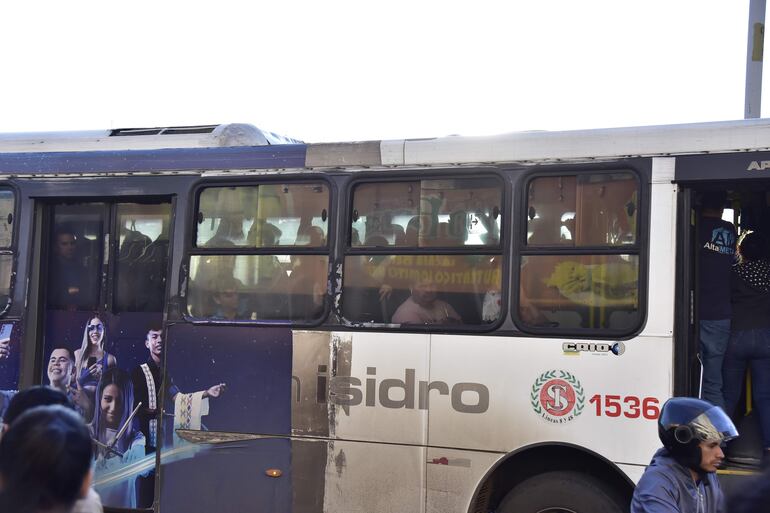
{"points": [[102, 286], [748, 208]]}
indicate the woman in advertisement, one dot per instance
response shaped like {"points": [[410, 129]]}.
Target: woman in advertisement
{"points": [[91, 360], [119, 440]]}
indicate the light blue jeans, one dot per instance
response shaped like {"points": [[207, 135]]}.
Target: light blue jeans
{"points": [[714, 337]]}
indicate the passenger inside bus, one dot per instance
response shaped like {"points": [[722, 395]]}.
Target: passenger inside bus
{"points": [[142, 257], [424, 307], [151, 267], [263, 234], [71, 286], [228, 301], [744, 374], [716, 243], [310, 236], [749, 345], [307, 286], [229, 230]]}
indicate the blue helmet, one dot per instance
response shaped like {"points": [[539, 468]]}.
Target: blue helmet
{"points": [[685, 422]]}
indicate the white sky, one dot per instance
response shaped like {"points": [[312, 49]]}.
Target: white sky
{"points": [[327, 70]]}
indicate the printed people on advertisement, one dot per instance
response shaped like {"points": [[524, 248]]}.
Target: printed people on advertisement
{"points": [[682, 474], [120, 442], [5, 346], [92, 360], [69, 287], [61, 373], [148, 381], [45, 462], [424, 307], [716, 240], [5, 400]]}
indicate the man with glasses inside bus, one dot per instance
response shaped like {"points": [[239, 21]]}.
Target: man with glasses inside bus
{"points": [[681, 477]]}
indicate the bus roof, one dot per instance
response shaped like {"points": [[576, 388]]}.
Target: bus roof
{"points": [[243, 147], [200, 136], [170, 160], [543, 146]]}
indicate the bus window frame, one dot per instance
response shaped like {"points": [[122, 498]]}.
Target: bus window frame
{"points": [[191, 249], [114, 231], [12, 248], [419, 174], [640, 169]]}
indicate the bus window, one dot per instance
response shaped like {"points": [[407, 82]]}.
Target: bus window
{"points": [[427, 213], [6, 218], [566, 291], [75, 257], [585, 210], [263, 216], [142, 258], [6, 238], [384, 285], [580, 291], [258, 287], [422, 289], [257, 274]]}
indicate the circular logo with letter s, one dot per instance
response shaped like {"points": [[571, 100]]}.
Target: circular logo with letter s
{"points": [[557, 396]]}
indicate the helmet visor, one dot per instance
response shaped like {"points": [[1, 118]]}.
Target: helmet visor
{"points": [[713, 425]]}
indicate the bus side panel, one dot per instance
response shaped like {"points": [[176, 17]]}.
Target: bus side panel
{"points": [[361, 392], [515, 392], [453, 476], [221, 445], [373, 477], [228, 477], [10, 362], [383, 390]]}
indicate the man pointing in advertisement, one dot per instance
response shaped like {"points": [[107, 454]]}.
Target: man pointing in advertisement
{"points": [[147, 380]]}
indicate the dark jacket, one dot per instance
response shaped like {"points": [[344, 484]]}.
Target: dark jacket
{"points": [[668, 487], [753, 497], [750, 295]]}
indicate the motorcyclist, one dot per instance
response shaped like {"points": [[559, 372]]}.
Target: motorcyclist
{"points": [[681, 477]]}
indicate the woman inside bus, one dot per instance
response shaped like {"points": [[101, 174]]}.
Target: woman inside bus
{"points": [[116, 396], [91, 360], [750, 332]]}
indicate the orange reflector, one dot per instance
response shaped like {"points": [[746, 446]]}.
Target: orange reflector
{"points": [[273, 472]]}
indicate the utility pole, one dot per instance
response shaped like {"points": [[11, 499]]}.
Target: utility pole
{"points": [[755, 48]]}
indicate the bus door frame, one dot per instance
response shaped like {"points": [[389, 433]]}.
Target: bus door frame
{"points": [[695, 173], [40, 247], [687, 368]]}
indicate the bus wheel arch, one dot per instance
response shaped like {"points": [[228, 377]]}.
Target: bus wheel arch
{"points": [[556, 459]]}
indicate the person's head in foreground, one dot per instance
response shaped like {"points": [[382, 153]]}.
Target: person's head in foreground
{"points": [[45, 461], [31, 397], [693, 431]]}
